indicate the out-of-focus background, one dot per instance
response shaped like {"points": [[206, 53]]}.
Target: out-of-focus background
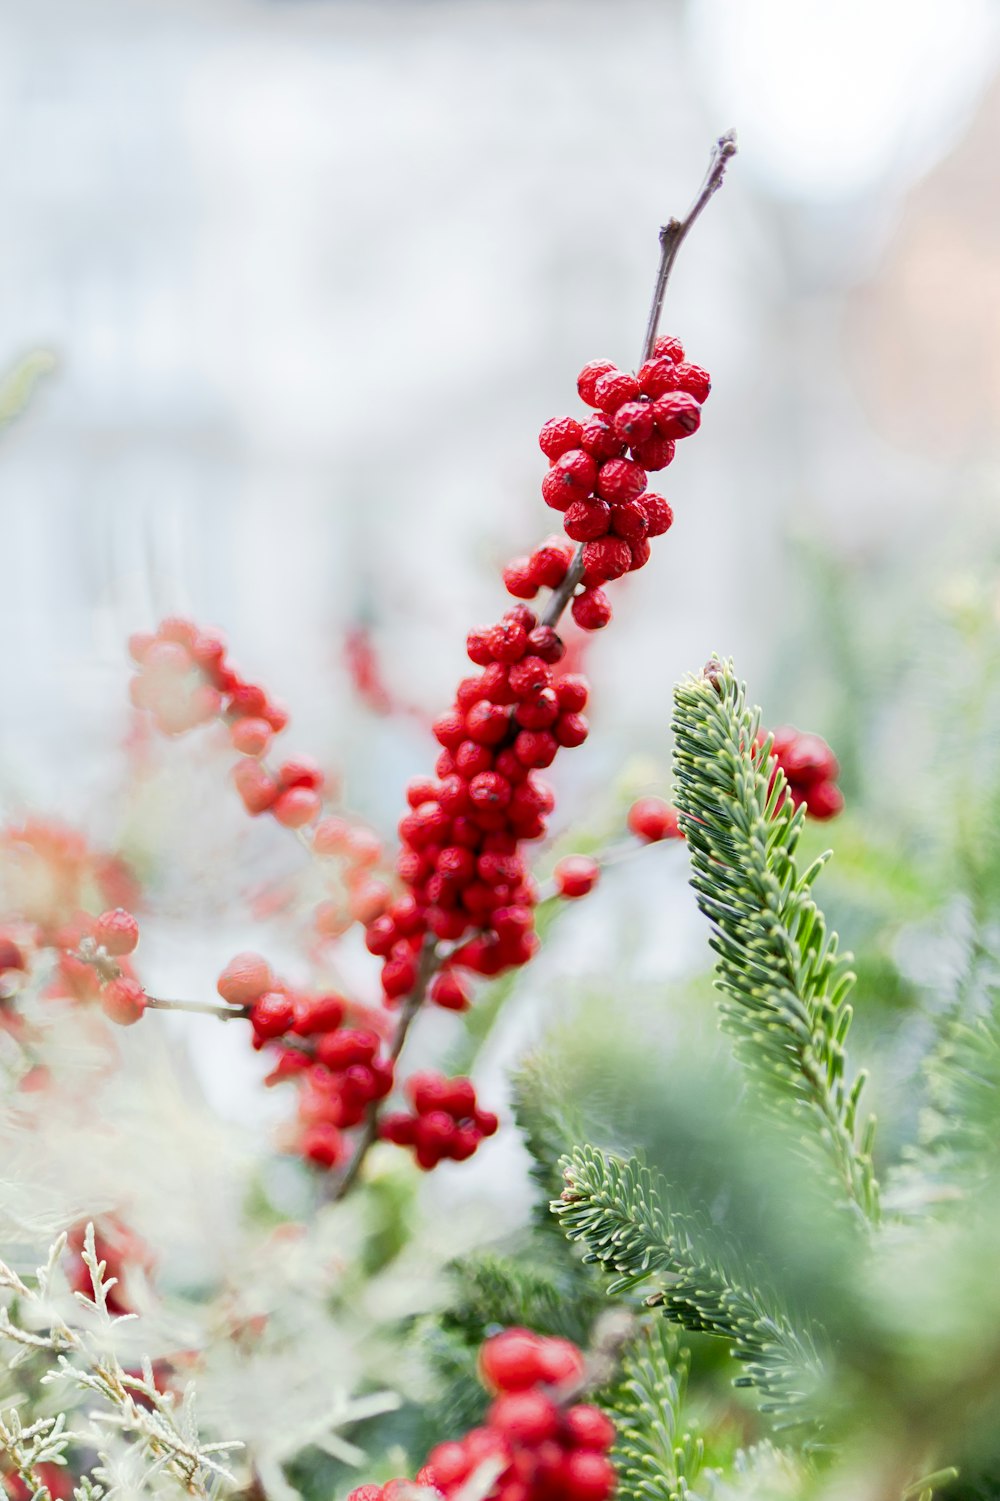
{"points": [[312, 274]]}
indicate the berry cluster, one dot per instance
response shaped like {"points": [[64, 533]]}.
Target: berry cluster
{"points": [[446, 1121], [598, 470], [536, 1444], [811, 770]]}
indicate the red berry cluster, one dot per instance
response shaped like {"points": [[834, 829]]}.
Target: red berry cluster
{"points": [[446, 1122], [811, 770], [185, 678], [537, 1443], [598, 470], [92, 963]]}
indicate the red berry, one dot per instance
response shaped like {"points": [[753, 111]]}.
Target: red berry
{"points": [[823, 800], [588, 1427], [630, 520], [572, 692], [571, 730], [123, 1001], [667, 347], [659, 514], [508, 641], [586, 519], [526, 1418], [486, 723], [449, 729], [807, 759], [300, 771], [489, 790], [545, 642], [318, 1014], [575, 875], [519, 579], [448, 992], [297, 807], [591, 610], [511, 1361], [550, 562], [633, 422], [117, 931], [613, 389], [536, 748], [561, 1361], [586, 381], [558, 436], [694, 380], [620, 480], [530, 676], [472, 757], [255, 787], [641, 551], [539, 711], [272, 1014], [677, 415], [323, 1145], [657, 378], [245, 978], [655, 453], [586, 1476], [651, 819], [251, 737], [576, 470], [477, 645], [599, 438], [606, 558]]}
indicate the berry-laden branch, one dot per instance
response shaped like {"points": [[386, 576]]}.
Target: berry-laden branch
{"points": [[468, 902]]}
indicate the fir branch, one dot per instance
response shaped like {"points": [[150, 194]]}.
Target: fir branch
{"points": [[548, 1123], [785, 986], [655, 1456], [961, 1131], [628, 1224]]}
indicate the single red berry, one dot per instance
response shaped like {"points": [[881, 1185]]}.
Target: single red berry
{"points": [[273, 1014], [651, 819], [255, 787], [558, 436], [586, 381], [694, 380], [508, 641], [655, 453], [586, 1476], [399, 975], [667, 347], [823, 800], [318, 1014], [599, 439], [472, 756], [614, 389], [525, 1418], [300, 771], [606, 558], [245, 978], [477, 645], [519, 579], [323, 1146], [657, 378], [588, 1427], [536, 748], [633, 422], [575, 875], [561, 1361], [808, 759], [640, 554], [659, 514], [571, 730], [620, 480], [489, 790], [572, 692], [297, 807], [576, 470], [511, 1361], [117, 931], [486, 723], [550, 562], [545, 642], [587, 519], [677, 415], [630, 520], [449, 729], [591, 610], [448, 992], [530, 676], [251, 737], [538, 711], [123, 1001]]}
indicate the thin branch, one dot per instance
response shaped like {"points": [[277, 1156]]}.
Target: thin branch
{"points": [[674, 233], [429, 963], [199, 1008]]}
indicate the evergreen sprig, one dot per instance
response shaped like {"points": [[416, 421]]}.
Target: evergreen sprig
{"points": [[656, 1458], [624, 1217], [785, 986]]}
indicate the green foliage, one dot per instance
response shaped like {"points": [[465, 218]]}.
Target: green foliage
{"points": [[785, 986], [657, 1458], [628, 1224]]}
